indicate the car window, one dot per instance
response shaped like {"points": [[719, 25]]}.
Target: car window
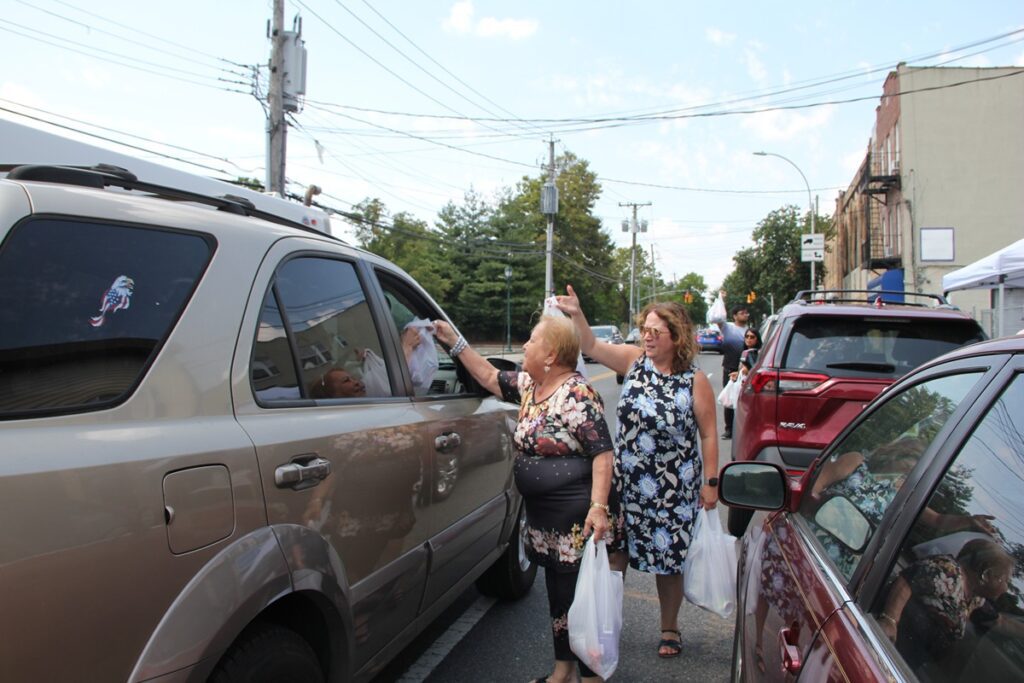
{"points": [[316, 338], [953, 602], [851, 489], [85, 308], [432, 370], [872, 347]]}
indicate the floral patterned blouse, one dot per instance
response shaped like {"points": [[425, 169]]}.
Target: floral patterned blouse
{"points": [[938, 583], [556, 439]]}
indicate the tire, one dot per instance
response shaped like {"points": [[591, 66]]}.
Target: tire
{"points": [[268, 653], [738, 521], [512, 575]]}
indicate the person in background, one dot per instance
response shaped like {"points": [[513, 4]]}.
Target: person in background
{"points": [[751, 349], [661, 477], [563, 466], [732, 347]]}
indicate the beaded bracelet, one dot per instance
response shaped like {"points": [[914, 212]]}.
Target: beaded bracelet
{"points": [[458, 347]]}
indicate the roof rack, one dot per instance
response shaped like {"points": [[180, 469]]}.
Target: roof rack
{"points": [[869, 296], [106, 175]]}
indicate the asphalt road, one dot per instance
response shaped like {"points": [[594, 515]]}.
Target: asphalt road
{"points": [[478, 639]]}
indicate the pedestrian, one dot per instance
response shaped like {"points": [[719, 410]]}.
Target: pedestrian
{"points": [[732, 346], [661, 477], [751, 350], [563, 466]]}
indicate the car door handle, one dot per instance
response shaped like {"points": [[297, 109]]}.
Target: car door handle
{"points": [[302, 473], [789, 653], [448, 441]]}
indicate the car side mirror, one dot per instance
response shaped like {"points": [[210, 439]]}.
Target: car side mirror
{"points": [[753, 485], [844, 521]]}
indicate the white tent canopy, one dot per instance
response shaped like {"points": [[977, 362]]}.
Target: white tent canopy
{"points": [[1005, 266]]}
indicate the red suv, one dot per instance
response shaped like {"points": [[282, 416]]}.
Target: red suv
{"points": [[831, 353]]}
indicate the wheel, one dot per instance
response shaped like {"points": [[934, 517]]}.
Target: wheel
{"points": [[512, 575], [268, 653], [738, 521], [619, 378], [446, 474]]}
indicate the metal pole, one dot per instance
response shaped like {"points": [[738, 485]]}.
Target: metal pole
{"points": [[632, 270], [549, 287], [810, 200], [508, 308]]}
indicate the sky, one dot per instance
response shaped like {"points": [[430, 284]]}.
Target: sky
{"points": [[417, 103]]}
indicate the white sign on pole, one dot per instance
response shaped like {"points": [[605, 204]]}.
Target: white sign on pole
{"points": [[812, 255], [812, 240]]}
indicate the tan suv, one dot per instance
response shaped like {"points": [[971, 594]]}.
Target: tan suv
{"points": [[216, 460]]}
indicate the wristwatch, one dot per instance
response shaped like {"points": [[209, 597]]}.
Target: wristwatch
{"points": [[713, 481]]}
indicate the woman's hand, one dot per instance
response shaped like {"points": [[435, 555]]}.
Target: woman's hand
{"points": [[888, 625], [444, 333], [569, 303], [733, 375], [981, 523], [709, 496], [597, 521]]}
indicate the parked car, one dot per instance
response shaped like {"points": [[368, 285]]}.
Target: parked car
{"points": [[834, 351], [896, 557], [215, 460], [634, 336], [709, 339], [609, 334]]}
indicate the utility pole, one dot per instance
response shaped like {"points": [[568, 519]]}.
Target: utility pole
{"points": [[633, 227], [654, 279], [276, 128], [549, 207]]}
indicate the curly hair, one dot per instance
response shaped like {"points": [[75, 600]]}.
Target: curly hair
{"points": [[563, 338], [680, 327]]}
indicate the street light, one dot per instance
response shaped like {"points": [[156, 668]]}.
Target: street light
{"points": [[810, 202], [508, 308]]}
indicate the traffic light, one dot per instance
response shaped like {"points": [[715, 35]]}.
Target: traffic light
{"points": [[751, 297], [688, 298]]}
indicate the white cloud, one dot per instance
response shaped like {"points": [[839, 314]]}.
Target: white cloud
{"points": [[462, 19], [755, 67], [719, 37], [787, 125]]}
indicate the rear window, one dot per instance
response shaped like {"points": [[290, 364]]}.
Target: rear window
{"points": [[603, 330], [84, 309], [873, 346]]}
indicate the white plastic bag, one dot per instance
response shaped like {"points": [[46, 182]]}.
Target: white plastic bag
{"points": [[710, 570], [423, 363], [375, 375], [729, 394], [717, 313], [595, 617]]}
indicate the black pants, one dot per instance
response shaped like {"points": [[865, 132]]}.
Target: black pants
{"points": [[728, 412], [561, 590]]}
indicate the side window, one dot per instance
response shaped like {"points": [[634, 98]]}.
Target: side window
{"points": [[317, 308], [953, 604], [851, 490], [431, 369], [85, 308]]}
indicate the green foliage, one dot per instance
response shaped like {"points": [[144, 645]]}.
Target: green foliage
{"points": [[251, 183]]}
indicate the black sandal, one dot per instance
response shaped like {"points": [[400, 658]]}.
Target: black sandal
{"points": [[674, 645]]}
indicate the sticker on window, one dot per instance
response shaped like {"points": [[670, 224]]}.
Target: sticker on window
{"points": [[118, 297]]}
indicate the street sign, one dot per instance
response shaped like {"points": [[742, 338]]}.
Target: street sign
{"points": [[812, 240], [812, 255]]}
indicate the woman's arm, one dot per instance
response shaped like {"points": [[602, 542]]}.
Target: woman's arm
{"points": [[617, 357], [897, 599], [707, 425], [836, 470], [478, 366], [597, 516]]}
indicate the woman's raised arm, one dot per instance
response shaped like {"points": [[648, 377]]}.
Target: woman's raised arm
{"points": [[479, 367]]}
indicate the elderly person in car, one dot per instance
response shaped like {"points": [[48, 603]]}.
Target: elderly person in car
{"points": [[563, 467]]}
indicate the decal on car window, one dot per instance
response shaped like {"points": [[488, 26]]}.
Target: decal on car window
{"points": [[117, 297]]}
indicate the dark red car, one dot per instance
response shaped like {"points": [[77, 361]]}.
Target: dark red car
{"points": [[830, 353], [899, 555]]}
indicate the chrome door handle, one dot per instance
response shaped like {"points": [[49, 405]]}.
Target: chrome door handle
{"points": [[302, 473], [447, 442], [789, 653]]}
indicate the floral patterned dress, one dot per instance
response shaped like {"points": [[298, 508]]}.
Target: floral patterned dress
{"points": [[658, 471], [556, 440]]}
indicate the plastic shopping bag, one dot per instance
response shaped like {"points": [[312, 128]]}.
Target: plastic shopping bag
{"points": [[595, 617], [717, 313], [710, 571], [423, 363], [729, 393]]}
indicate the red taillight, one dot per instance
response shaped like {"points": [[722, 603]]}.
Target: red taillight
{"points": [[763, 380], [799, 381]]}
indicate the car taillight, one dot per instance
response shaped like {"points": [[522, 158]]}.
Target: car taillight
{"points": [[764, 380], [799, 381]]}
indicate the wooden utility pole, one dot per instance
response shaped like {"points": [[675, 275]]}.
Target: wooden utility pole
{"points": [[277, 130]]}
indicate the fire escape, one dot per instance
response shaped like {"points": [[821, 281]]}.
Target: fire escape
{"points": [[880, 175]]}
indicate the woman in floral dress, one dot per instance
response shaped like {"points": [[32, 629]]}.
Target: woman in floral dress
{"points": [[661, 477], [563, 467]]}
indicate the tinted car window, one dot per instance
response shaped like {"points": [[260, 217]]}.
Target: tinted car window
{"points": [[85, 307], [953, 604], [327, 321], [872, 347], [850, 491]]}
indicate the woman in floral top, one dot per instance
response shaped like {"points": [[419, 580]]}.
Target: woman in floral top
{"points": [[661, 476], [563, 467]]}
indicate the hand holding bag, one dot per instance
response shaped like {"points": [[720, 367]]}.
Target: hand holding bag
{"points": [[709, 578], [729, 393], [717, 313], [595, 617]]}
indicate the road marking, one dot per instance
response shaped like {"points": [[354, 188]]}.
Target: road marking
{"points": [[428, 661], [602, 375]]}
